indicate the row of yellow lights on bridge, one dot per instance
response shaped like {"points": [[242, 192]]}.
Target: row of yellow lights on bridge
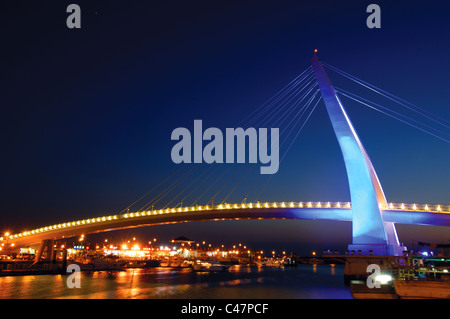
{"points": [[390, 206]]}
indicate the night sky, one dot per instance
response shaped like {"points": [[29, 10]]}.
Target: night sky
{"points": [[87, 113]]}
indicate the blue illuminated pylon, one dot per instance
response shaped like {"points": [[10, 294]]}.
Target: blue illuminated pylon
{"points": [[369, 231]]}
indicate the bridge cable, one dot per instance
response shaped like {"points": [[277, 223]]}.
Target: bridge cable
{"points": [[278, 109], [286, 90], [168, 189], [285, 116], [200, 183], [181, 192], [225, 184], [374, 108], [343, 92], [301, 128], [286, 97], [281, 120], [210, 186], [240, 181], [308, 70], [284, 100], [283, 97], [298, 132], [388, 95], [152, 189]]}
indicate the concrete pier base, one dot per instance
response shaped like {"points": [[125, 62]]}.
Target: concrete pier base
{"points": [[376, 250], [356, 266]]}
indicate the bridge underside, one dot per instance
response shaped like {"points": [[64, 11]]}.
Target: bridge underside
{"points": [[330, 214]]}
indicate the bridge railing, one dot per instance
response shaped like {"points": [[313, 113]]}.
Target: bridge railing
{"points": [[431, 208], [225, 206]]}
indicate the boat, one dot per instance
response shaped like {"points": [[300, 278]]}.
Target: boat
{"points": [[164, 263], [360, 290], [186, 264], [409, 277], [422, 289], [209, 266], [423, 278], [146, 263], [229, 261], [101, 265], [274, 263], [175, 263], [270, 262], [151, 263]]}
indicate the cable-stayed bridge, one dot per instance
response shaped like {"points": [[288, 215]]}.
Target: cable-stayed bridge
{"points": [[373, 217]]}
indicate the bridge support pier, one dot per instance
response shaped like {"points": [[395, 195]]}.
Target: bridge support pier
{"points": [[46, 247]]}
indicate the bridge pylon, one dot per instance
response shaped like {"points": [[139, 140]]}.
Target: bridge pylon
{"points": [[370, 234]]}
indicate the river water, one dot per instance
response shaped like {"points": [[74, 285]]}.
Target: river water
{"points": [[301, 282]]}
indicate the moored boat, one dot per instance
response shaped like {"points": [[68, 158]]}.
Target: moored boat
{"points": [[422, 277], [422, 289], [102, 265], [209, 266], [274, 263], [270, 262]]}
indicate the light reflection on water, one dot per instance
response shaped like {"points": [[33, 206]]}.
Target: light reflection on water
{"points": [[304, 281]]}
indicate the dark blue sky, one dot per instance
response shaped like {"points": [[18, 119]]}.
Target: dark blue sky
{"points": [[87, 114]]}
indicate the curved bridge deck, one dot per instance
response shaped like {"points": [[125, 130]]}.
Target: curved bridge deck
{"points": [[412, 214]]}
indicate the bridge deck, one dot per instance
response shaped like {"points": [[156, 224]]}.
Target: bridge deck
{"points": [[412, 214]]}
